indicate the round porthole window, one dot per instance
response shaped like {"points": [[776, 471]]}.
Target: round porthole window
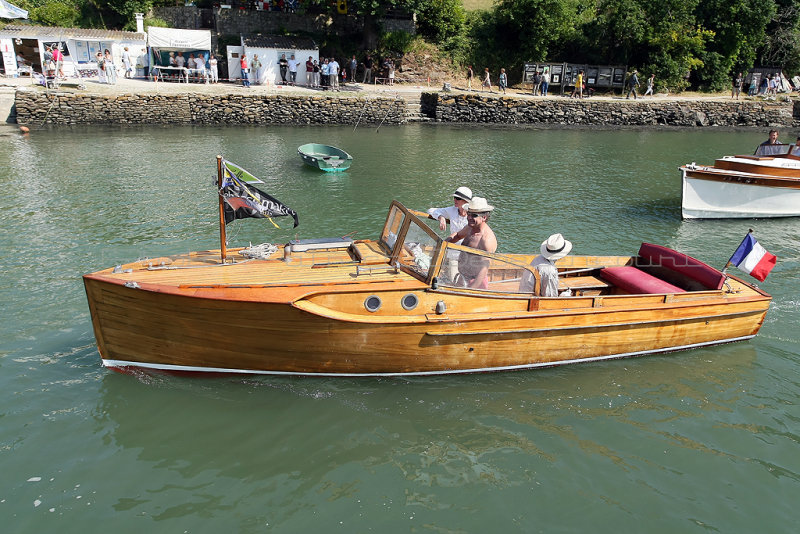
{"points": [[372, 303], [409, 302]]}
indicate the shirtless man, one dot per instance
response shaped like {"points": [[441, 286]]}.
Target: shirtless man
{"points": [[477, 234]]}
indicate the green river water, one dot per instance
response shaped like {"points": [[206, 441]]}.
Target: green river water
{"points": [[704, 440]]}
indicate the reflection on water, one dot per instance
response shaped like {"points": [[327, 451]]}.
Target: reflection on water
{"points": [[699, 432]]}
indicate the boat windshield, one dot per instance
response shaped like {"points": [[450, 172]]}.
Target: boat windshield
{"points": [[465, 267], [773, 150], [394, 222], [419, 249]]}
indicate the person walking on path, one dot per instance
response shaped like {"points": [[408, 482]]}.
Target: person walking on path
{"points": [[578, 89], [502, 81], [470, 75], [633, 83], [126, 62], [537, 82], [487, 82], [736, 88], [650, 84]]}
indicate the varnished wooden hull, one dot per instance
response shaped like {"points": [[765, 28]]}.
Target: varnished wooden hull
{"points": [[322, 329]]}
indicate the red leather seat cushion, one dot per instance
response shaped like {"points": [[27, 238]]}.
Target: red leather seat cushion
{"points": [[704, 274], [635, 281]]}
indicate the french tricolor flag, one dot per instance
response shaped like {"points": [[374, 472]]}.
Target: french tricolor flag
{"points": [[753, 259]]}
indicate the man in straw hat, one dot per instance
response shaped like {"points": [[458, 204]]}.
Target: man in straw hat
{"points": [[553, 249], [473, 268], [456, 214]]}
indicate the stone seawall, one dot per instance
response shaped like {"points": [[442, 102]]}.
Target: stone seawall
{"points": [[472, 108], [36, 107]]}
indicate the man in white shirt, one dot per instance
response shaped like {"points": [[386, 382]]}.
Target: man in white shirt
{"points": [[180, 61], [333, 74], [456, 214], [552, 250], [293, 69]]}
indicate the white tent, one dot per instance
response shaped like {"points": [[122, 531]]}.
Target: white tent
{"points": [[269, 49]]}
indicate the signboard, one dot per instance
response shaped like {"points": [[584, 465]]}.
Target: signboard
{"points": [[9, 59]]}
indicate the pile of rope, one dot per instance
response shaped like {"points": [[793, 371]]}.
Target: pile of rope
{"points": [[259, 252]]}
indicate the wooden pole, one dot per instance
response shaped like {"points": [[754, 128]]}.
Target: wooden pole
{"points": [[223, 249]]}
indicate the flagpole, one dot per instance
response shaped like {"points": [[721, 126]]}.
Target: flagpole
{"points": [[728, 264], [223, 249]]}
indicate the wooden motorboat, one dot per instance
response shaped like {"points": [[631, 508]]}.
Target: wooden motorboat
{"points": [[325, 157], [766, 184], [396, 306]]}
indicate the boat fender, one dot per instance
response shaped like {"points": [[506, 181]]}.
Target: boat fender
{"points": [[435, 283], [287, 252], [441, 307]]}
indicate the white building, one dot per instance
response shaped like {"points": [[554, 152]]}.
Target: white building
{"points": [[269, 49], [79, 47]]}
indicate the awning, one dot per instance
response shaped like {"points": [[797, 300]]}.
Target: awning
{"points": [[175, 39], [10, 11]]}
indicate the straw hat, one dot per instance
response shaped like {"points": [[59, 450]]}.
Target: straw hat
{"points": [[555, 247], [464, 193], [479, 205]]}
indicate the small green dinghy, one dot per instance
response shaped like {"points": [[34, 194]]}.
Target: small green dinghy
{"points": [[325, 157]]}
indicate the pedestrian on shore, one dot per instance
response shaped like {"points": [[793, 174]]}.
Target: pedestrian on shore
{"points": [[751, 90], [325, 74], [367, 70], [244, 68], [315, 74], [109, 67], [212, 68], [310, 71], [577, 91], [255, 68], [391, 72], [126, 62], [333, 74], [537, 82], [200, 68], [502, 81], [487, 82], [651, 82], [353, 67], [283, 67], [58, 58], [470, 75], [292, 69], [545, 81], [633, 83], [736, 86], [144, 60], [101, 68]]}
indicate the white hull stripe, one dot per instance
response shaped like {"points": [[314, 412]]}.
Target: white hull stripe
{"points": [[188, 368]]}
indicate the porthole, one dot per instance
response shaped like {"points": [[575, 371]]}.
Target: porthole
{"points": [[372, 303], [409, 302]]}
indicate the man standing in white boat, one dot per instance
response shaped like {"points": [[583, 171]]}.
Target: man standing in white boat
{"points": [[771, 147], [473, 269], [553, 249]]}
